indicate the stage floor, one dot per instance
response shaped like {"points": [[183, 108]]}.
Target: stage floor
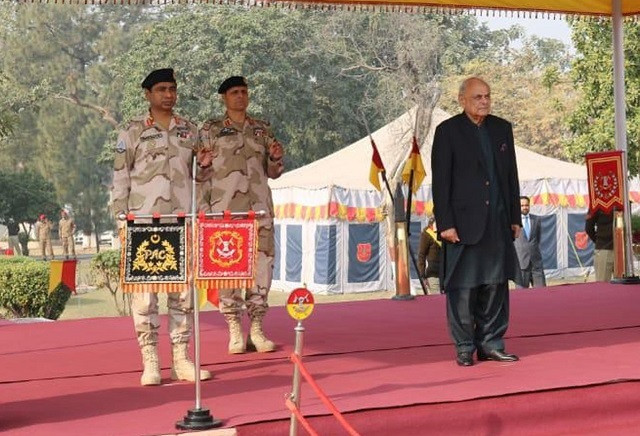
{"points": [[388, 364]]}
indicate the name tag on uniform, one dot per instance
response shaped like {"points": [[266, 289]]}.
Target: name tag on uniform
{"points": [[226, 131], [150, 137]]}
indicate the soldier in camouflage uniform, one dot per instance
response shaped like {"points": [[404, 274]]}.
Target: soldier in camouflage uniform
{"points": [[245, 155], [66, 229], [43, 231], [152, 173]]}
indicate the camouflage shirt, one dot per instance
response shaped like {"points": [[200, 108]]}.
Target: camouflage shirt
{"points": [[240, 169], [152, 167], [66, 226], [43, 230]]}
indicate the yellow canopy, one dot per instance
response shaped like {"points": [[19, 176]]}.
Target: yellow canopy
{"points": [[577, 7]]}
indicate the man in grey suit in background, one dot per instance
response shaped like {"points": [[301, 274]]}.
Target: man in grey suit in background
{"points": [[528, 248]]}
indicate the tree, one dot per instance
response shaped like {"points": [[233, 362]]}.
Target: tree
{"points": [[24, 196], [592, 123], [533, 90]]}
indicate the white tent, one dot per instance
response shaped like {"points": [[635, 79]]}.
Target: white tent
{"points": [[327, 203]]}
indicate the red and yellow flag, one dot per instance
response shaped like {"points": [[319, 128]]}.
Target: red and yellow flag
{"points": [[414, 163], [376, 167], [63, 271]]}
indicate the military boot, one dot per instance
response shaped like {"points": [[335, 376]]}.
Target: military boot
{"points": [[257, 341], [236, 338], [183, 368], [151, 373]]}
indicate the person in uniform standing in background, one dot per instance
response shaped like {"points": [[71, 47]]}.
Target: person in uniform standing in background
{"points": [[152, 174], [245, 155], [429, 257], [43, 232], [599, 227], [528, 248], [66, 230]]}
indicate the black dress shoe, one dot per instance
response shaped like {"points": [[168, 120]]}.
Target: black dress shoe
{"points": [[497, 355], [464, 359]]}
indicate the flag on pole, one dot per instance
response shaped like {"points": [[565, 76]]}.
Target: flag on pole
{"points": [[62, 271], [414, 163], [210, 295], [376, 167]]}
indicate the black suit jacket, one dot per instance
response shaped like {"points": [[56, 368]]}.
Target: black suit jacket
{"points": [[460, 176], [529, 249]]}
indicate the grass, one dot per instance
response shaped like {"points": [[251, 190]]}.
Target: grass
{"points": [[91, 302]]}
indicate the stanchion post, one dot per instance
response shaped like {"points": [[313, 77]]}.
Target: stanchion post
{"points": [[196, 418], [295, 393]]}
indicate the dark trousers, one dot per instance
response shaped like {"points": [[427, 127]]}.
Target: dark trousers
{"points": [[533, 277], [478, 317]]}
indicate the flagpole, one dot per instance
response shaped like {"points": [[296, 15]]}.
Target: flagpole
{"points": [[409, 201], [196, 418]]}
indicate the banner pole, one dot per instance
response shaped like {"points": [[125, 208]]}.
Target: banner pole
{"points": [[196, 418]]}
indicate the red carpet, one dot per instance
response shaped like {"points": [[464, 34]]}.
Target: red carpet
{"points": [[389, 363]]}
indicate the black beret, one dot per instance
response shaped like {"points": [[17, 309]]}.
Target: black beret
{"points": [[157, 76], [231, 82]]}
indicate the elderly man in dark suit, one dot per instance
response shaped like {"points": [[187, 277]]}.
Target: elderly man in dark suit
{"points": [[475, 194], [528, 248]]}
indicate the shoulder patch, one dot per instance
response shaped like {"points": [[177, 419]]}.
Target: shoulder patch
{"points": [[121, 147]]}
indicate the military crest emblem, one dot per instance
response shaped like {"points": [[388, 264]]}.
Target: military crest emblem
{"points": [[226, 253], [363, 253], [154, 254]]}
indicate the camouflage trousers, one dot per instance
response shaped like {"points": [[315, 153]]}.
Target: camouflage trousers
{"points": [[68, 242], [144, 309], [45, 245], [255, 298]]}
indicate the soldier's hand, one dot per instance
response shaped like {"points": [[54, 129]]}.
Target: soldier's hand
{"points": [[450, 235], [204, 157], [276, 151]]}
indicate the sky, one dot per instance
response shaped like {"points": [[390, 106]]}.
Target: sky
{"points": [[542, 27]]}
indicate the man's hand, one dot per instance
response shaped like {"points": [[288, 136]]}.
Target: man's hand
{"points": [[275, 151], [204, 157], [515, 230], [450, 235]]}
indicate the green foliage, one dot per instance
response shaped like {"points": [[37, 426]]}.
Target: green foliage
{"points": [[24, 196], [24, 289], [592, 123], [106, 268]]}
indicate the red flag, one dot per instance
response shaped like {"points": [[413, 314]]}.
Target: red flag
{"points": [[605, 181], [376, 167]]}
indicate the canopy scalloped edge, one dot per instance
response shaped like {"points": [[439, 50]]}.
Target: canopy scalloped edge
{"points": [[401, 6]]}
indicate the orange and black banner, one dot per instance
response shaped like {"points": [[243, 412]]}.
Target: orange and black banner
{"points": [[226, 253], [605, 181], [154, 258]]}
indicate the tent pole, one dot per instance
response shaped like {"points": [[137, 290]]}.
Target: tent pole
{"points": [[621, 124]]}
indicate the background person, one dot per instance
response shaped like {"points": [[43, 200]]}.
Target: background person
{"points": [[66, 230], [599, 227], [429, 257], [13, 230], [43, 232], [528, 248]]}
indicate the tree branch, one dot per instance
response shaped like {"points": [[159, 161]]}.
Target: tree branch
{"points": [[106, 113]]}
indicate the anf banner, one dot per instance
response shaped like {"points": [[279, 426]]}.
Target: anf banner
{"points": [[605, 180], [226, 252], [154, 258]]}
